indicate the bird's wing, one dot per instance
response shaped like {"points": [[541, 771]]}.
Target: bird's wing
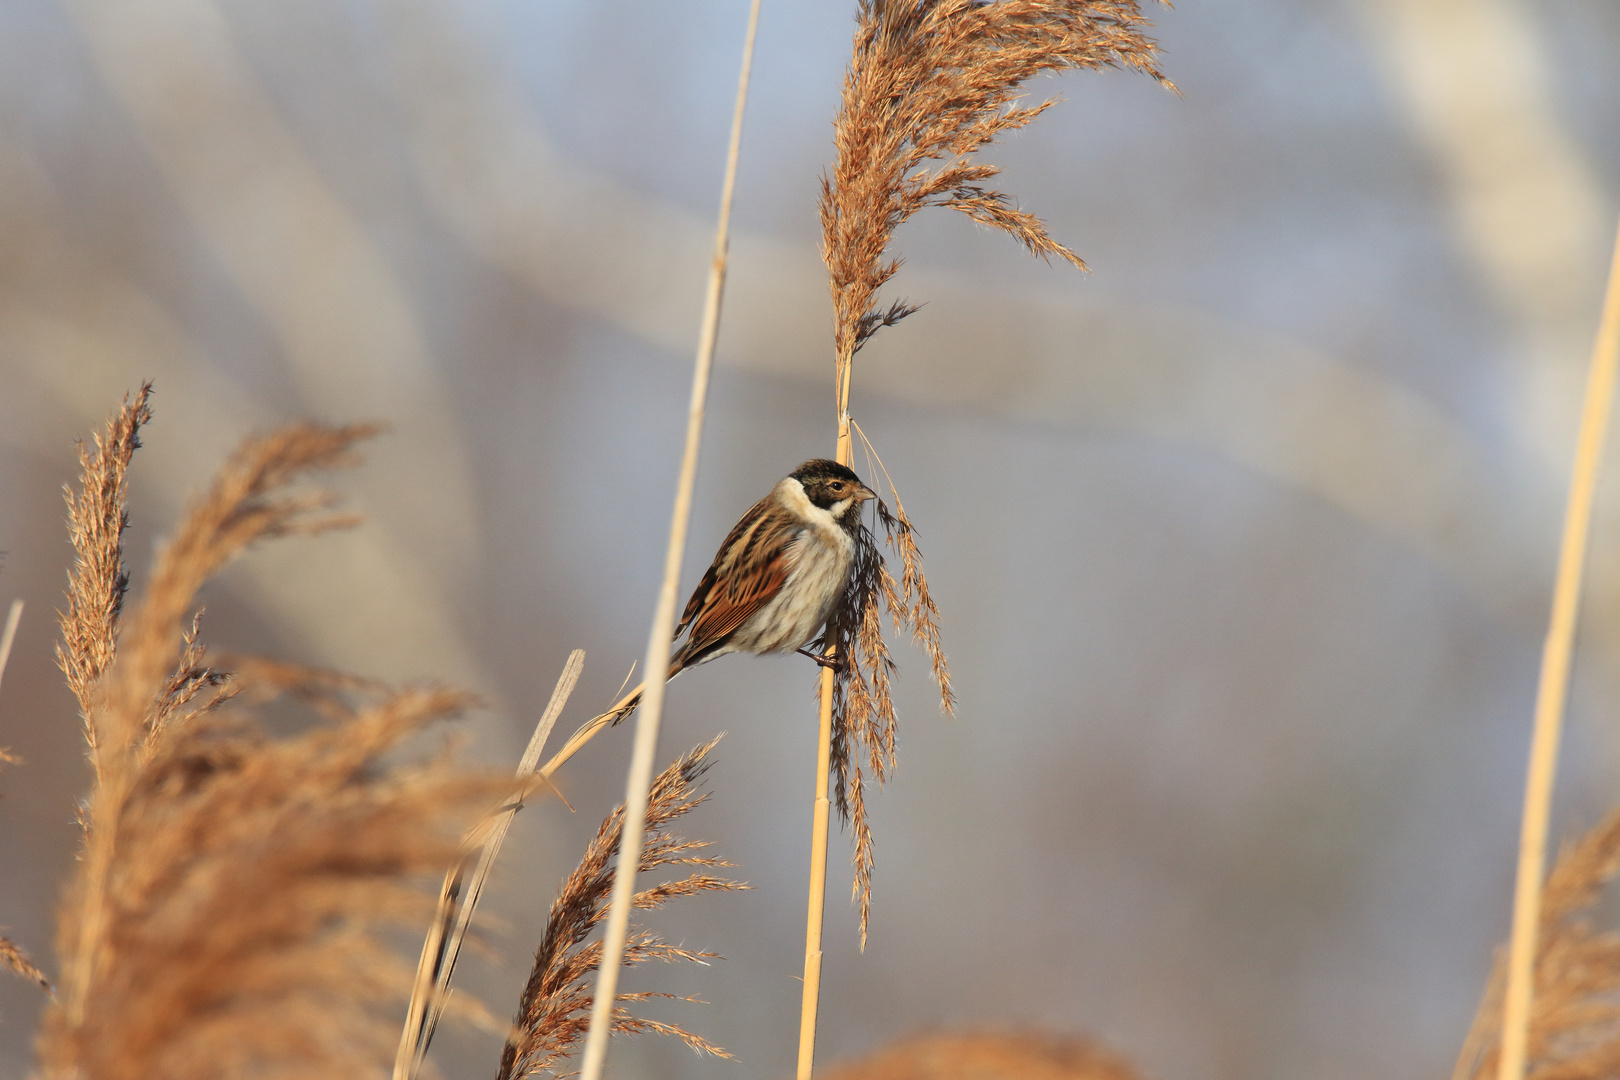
{"points": [[751, 567]]}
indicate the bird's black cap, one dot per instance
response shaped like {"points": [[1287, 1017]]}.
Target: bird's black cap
{"points": [[823, 469]]}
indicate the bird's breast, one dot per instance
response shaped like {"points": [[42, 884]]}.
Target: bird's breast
{"points": [[819, 561]]}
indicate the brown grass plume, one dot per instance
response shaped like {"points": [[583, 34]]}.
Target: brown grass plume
{"points": [[554, 1009], [1575, 1011], [931, 82], [988, 1056], [97, 517], [864, 722], [222, 917]]}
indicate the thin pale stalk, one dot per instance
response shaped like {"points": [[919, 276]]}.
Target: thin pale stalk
{"points": [[663, 623], [1553, 689], [817, 900], [7, 636], [454, 915]]}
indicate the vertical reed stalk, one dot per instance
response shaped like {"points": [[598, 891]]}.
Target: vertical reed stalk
{"points": [[816, 902], [1553, 688], [663, 623], [9, 634], [930, 83]]}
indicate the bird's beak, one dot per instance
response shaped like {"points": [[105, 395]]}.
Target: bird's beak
{"points": [[864, 494]]}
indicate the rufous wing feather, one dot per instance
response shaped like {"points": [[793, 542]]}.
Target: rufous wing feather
{"points": [[750, 569]]}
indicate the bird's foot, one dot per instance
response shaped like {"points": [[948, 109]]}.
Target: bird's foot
{"points": [[824, 661]]}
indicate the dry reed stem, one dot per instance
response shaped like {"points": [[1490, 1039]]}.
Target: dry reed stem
{"points": [[1553, 686], [8, 636], [12, 956], [1574, 1030], [221, 920], [988, 1056], [458, 897], [587, 731], [557, 1000], [615, 936], [816, 892]]}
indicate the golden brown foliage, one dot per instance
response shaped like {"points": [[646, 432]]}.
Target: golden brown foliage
{"points": [[15, 960], [1575, 1012], [250, 874], [863, 705], [222, 917], [988, 1056], [930, 83], [554, 1010], [98, 581], [933, 81], [248, 501]]}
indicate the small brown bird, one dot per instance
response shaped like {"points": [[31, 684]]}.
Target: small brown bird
{"points": [[772, 585], [779, 571]]}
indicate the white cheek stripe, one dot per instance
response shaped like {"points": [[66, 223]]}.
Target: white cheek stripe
{"points": [[794, 498], [819, 558]]}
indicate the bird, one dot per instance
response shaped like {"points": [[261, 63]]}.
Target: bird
{"points": [[779, 572], [773, 584]]}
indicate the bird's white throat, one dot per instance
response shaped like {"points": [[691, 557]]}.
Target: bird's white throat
{"points": [[791, 492]]}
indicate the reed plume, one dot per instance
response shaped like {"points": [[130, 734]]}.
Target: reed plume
{"points": [[97, 518], [1574, 1029], [931, 82], [222, 919], [15, 960], [555, 1006], [863, 704], [988, 1056]]}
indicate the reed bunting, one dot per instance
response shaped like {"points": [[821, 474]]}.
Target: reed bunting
{"points": [[772, 585], [779, 571]]}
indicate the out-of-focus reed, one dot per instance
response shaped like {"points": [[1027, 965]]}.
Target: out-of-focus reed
{"points": [[224, 917]]}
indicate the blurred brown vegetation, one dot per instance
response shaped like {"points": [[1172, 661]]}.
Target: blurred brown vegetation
{"points": [[1244, 539], [1025, 1055]]}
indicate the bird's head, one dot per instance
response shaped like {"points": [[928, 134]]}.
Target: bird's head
{"points": [[833, 487]]}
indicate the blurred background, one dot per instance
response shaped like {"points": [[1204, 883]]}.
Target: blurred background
{"points": [[1243, 542]]}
